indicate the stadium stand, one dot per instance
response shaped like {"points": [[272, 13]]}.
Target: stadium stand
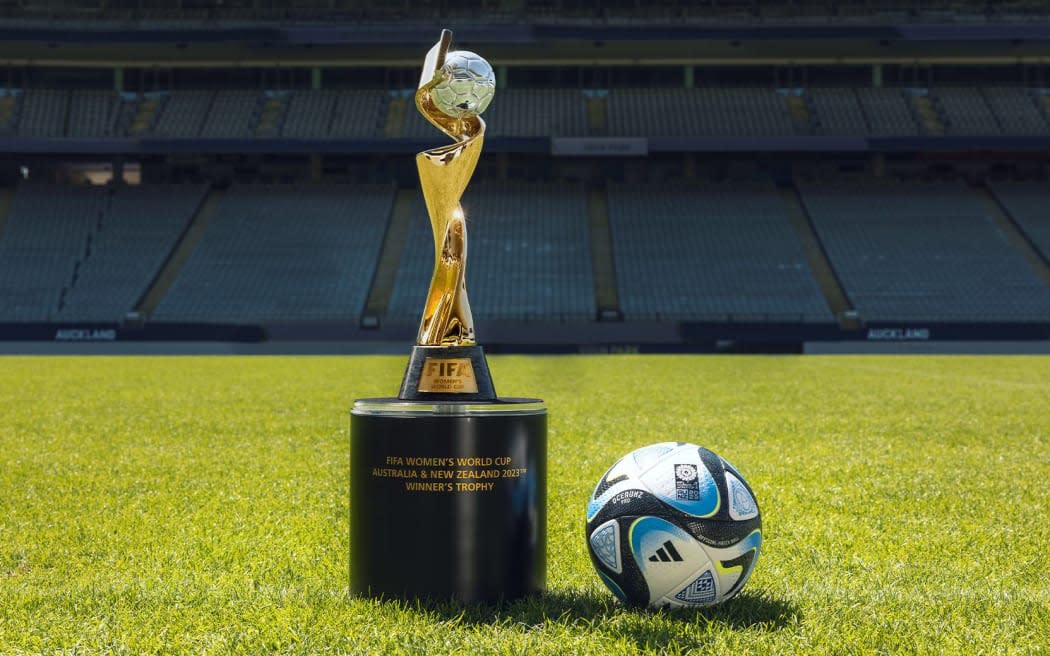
{"points": [[87, 253], [231, 115], [529, 255], [698, 112], [190, 114], [523, 113], [47, 232], [837, 112], [539, 113], [922, 251], [137, 231], [94, 114], [43, 112], [710, 252], [183, 114], [310, 114], [1029, 205], [965, 111], [295, 122], [663, 112], [887, 112], [1016, 110], [283, 253], [359, 114]]}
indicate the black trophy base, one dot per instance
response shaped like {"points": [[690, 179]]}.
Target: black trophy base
{"points": [[448, 501]]}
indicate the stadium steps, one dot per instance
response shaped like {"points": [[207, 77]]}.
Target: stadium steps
{"points": [[273, 111], [597, 116], [7, 194], [1044, 104], [800, 114], [395, 118], [602, 263], [382, 287], [927, 114], [180, 252], [92, 235], [66, 111], [817, 258], [1000, 126], [145, 116], [212, 98], [1014, 233]]}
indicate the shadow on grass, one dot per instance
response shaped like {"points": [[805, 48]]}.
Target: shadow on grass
{"points": [[604, 614]]}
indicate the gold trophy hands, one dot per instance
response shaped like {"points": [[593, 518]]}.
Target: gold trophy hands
{"points": [[444, 173]]}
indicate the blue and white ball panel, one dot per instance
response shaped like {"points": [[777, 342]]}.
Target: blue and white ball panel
{"points": [[628, 468], [624, 467], [651, 455], [681, 480], [605, 542], [741, 504], [667, 556]]}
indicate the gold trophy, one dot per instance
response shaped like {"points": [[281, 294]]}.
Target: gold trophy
{"points": [[448, 483], [454, 89]]}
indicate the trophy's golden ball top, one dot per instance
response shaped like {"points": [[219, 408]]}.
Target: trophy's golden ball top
{"points": [[467, 85]]}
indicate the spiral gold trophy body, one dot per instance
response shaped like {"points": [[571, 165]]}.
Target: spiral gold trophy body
{"points": [[448, 481], [444, 174]]}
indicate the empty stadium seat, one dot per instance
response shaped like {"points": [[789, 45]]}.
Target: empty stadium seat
{"points": [[922, 251], [138, 230], [359, 113], [965, 111], [698, 112], [710, 252], [94, 114], [84, 253], [43, 113], [838, 112], [231, 115], [1016, 110], [887, 112], [283, 253], [183, 114]]}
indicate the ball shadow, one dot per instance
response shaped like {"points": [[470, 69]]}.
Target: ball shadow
{"points": [[649, 628]]}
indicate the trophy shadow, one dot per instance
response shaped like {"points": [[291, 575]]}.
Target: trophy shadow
{"points": [[753, 611]]}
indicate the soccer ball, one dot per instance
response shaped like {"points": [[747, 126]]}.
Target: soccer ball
{"points": [[673, 524], [467, 87]]}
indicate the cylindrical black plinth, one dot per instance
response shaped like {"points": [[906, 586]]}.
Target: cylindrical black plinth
{"points": [[448, 500]]}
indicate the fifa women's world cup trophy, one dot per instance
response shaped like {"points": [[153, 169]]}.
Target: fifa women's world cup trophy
{"points": [[448, 482], [454, 89]]}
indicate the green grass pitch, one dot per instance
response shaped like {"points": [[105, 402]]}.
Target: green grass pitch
{"points": [[200, 505]]}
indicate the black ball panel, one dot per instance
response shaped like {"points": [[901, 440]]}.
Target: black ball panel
{"points": [[629, 580], [633, 502], [720, 534]]}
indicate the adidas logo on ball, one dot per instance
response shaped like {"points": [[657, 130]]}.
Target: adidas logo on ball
{"points": [[666, 554]]}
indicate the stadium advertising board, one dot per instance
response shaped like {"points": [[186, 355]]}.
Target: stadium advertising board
{"points": [[600, 146]]}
